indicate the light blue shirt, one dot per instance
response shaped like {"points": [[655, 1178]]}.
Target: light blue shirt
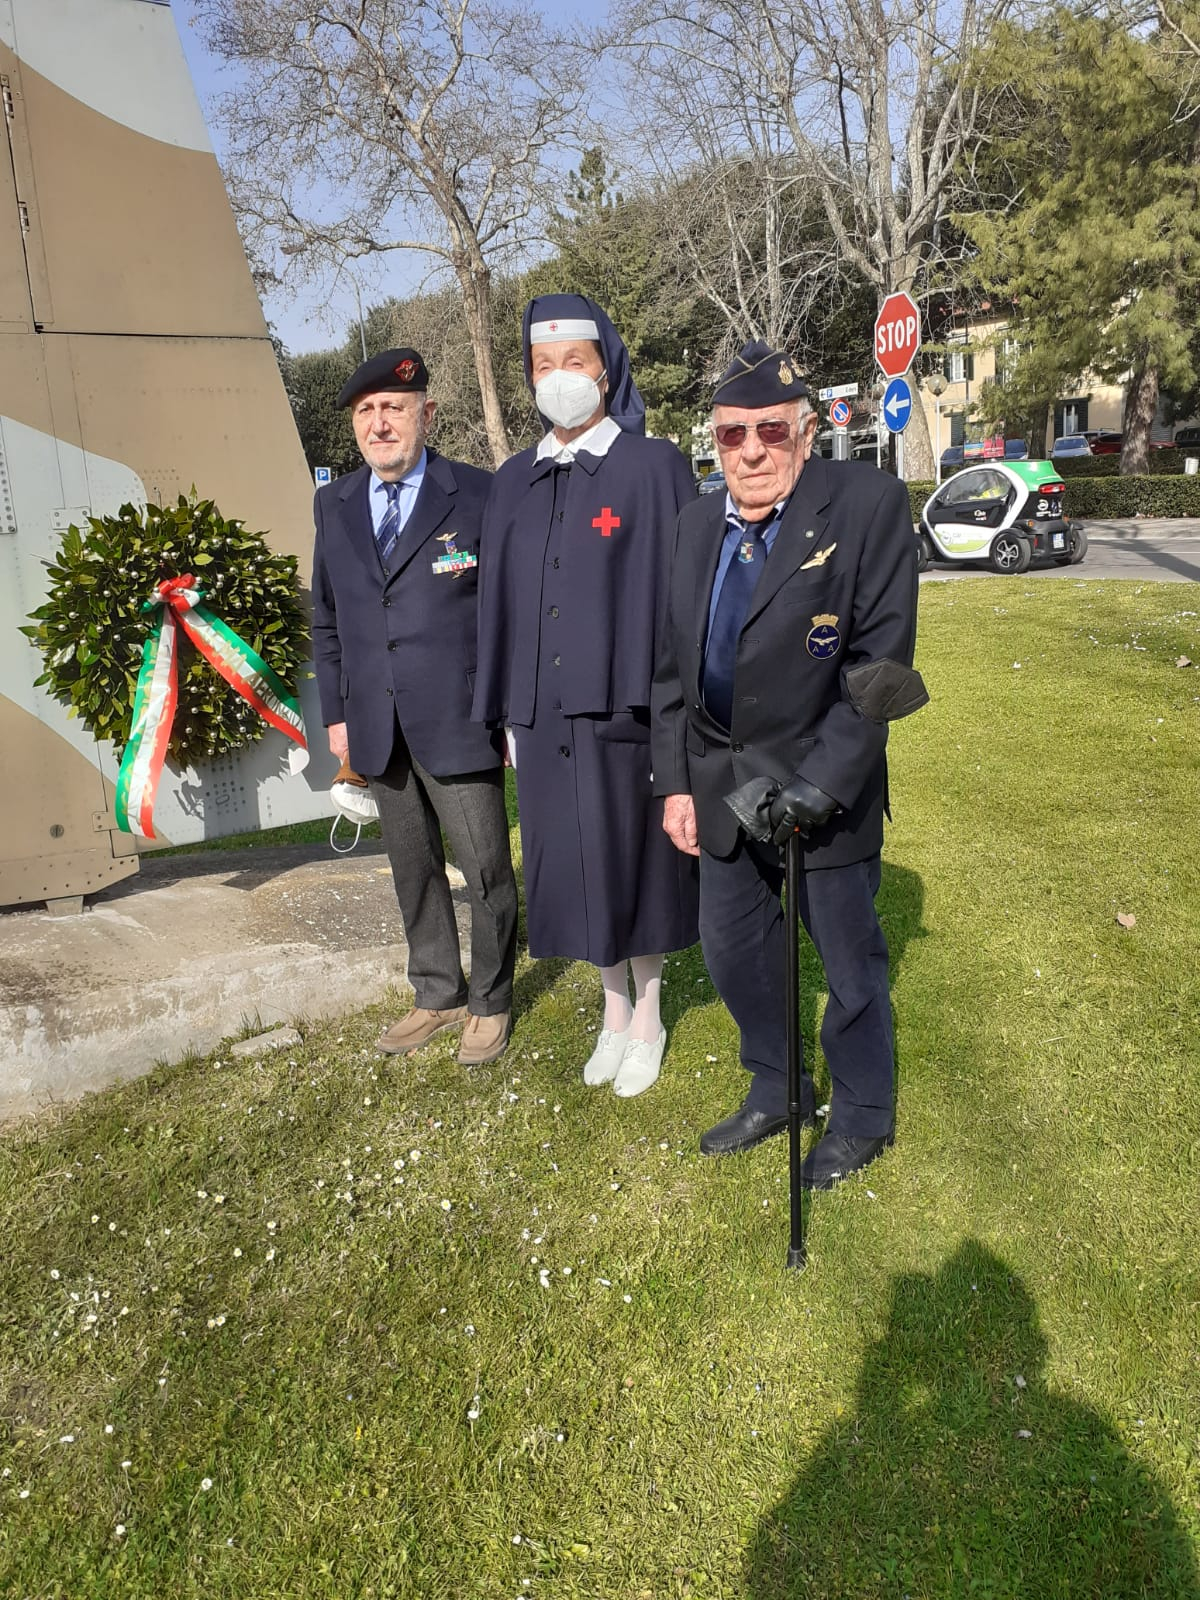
{"points": [[410, 487], [735, 532]]}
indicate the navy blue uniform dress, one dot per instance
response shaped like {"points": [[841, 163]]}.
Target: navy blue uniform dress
{"points": [[573, 585]]}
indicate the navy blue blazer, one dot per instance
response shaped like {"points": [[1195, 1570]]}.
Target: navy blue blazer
{"points": [[618, 523], [401, 647], [839, 588]]}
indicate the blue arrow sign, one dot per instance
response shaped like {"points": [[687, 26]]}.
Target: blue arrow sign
{"points": [[897, 405]]}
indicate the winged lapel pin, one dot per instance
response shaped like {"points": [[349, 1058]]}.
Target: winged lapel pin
{"points": [[821, 557]]}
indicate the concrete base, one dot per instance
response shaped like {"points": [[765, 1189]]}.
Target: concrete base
{"points": [[193, 949]]}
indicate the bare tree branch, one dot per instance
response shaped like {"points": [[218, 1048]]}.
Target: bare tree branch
{"points": [[366, 127], [869, 102]]}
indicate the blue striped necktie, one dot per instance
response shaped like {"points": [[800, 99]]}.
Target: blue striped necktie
{"points": [[388, 530]]}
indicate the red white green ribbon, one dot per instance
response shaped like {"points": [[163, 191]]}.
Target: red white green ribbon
{"points": [[157, 694]]}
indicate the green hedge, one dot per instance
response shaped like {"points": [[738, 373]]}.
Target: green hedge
{"points": [[1176, 496], [918, 493], [1163, 463]]}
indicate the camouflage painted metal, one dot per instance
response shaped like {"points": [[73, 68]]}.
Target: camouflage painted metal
{"points": [[134, 363]]}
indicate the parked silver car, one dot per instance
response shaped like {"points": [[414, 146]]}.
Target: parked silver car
{"points": [[1071, 444]]}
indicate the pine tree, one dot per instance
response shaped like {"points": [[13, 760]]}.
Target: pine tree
{"points": [[1100, 250]]}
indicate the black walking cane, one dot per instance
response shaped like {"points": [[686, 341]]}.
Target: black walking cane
{"points": [[796, 1256], [751, 805]]}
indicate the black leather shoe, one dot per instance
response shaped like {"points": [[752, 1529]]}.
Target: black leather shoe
{"points": [[836, 1156], [742, 1131], [749, 1126]]}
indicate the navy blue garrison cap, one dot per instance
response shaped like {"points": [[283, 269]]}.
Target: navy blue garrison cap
{"points": [[403, 370], [759, 376]]}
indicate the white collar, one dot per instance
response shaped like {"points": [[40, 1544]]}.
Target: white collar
{"points": [[597, 441]]}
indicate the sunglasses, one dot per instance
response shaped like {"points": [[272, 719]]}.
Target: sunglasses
{"points": [[730, 435]]}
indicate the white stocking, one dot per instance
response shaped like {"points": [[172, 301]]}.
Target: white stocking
{"points": [[617, 1010], [647, 988]]}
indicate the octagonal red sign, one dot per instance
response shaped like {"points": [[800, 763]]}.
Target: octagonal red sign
{"points": [[897, 334]]}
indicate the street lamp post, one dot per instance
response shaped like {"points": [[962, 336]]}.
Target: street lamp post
{"points": [[362, 328], [936, 384]]}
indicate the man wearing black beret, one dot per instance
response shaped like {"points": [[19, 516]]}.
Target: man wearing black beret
{"points": [[394, 598], [791, 634]]}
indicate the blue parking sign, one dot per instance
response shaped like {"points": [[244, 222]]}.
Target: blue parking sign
{"points": [[323, 475]]}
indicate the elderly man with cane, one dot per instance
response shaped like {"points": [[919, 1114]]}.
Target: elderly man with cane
{"points": [[791, 634]]}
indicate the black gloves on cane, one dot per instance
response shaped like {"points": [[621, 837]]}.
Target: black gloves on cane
{"points": [[768, 812], [799, 807]]}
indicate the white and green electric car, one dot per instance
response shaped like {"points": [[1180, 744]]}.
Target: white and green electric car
{"points": [[1001, 512]]}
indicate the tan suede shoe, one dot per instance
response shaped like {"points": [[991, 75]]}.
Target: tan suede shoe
{"points": [[485, 1038], [418, 1027]]}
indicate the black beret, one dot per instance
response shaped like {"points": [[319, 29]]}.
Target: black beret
{"points": [[391, 369], [759, 376]]}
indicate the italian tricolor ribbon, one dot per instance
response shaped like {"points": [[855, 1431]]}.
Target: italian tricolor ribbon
{"points": [[157, 694]]}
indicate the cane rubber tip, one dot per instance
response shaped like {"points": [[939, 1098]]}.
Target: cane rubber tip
{"points": [[797, 1258]]}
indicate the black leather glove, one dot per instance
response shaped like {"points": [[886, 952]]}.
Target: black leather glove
{"points": [[799, 807]]}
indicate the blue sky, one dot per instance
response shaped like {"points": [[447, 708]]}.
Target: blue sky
{"points": [[311, 318]]}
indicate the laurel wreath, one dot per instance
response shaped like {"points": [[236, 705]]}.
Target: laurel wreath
{"points": [[93, 625]]}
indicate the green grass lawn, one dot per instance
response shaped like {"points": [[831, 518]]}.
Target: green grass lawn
{"points": [[337, 1325]]}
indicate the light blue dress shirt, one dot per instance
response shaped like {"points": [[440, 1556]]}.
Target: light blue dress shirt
{"points": [[410, 487], [735, 532]]}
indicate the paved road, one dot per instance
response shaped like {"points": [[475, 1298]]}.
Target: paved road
{"points": [[1160, 549]]}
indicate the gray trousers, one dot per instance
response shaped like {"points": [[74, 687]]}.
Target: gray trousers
{"points": [[414, 808]]}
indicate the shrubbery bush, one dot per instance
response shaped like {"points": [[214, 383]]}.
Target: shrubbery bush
{"points": [[1163, 463], [1175, 496], [918, 492]]}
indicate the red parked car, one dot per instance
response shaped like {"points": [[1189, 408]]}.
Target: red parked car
{"points": [[1105, 442]]}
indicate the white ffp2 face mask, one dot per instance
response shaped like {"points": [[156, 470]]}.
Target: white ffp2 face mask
{"points": [[568, 399], [356, 803]]}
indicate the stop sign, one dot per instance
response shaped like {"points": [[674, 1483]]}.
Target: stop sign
{"points": [[897, 334]]}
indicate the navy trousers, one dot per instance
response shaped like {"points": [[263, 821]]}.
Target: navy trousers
{"points": [[744, 942]]}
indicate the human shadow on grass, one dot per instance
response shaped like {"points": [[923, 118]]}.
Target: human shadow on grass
{"points": [[901, 904], [536, 980], [960, 1474]]}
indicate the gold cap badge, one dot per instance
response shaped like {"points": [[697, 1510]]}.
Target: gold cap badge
{"points": [[786, 375], [827, 619]]}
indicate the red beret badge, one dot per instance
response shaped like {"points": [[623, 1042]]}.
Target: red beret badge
{"points": [[407, 370]]}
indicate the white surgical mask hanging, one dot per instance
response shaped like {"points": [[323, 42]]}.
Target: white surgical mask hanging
{"points": [[568, 399]]}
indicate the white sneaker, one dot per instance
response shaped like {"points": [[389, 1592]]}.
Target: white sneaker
{"points": [[640, 1067], [604, 1061]]}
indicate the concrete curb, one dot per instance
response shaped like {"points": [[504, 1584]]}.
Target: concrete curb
{"points": [[192, 950]]}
